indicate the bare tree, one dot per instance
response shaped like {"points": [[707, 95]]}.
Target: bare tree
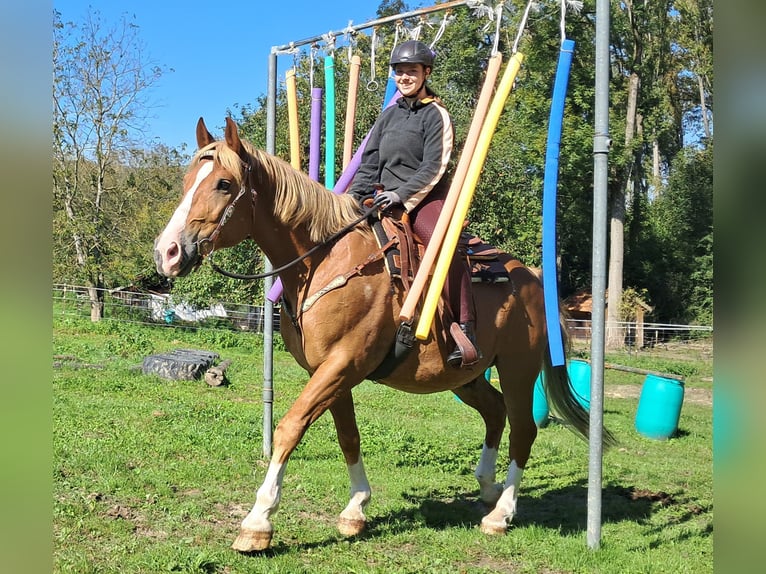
{"points": [[100, 82]]}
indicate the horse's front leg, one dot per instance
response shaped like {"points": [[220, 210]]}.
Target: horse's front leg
{"points": [[352, 520], [318, 395], [256, 530]]}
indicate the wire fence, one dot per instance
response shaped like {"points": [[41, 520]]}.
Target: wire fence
{"points": [[642, 335], [161, 309]]}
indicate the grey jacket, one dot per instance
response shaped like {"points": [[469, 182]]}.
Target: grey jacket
{"points": [[408, 151]]}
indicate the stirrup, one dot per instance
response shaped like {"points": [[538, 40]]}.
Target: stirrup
{"points": [[466, 352]]}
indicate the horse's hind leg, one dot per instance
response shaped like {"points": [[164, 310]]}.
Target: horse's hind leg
{"points": [[352, 520], [517, 380], [488, 401]]}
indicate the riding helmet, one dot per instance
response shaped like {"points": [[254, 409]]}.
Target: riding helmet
{"points": [[412, 52]]}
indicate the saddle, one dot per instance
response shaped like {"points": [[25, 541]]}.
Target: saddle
{"points": [[403, 253], [403, 258]]}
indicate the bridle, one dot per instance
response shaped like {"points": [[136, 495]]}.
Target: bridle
{"points": [[227, 215]]}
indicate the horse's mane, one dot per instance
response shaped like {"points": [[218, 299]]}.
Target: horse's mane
{"points": [[298, 200]]}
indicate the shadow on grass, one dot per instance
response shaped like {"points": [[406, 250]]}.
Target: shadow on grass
{"points": [[562, 509], [565, 508]]}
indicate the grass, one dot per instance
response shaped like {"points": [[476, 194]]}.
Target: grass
{"points": [[154, 476]]}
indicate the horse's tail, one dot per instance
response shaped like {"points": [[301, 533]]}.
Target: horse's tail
{"points": [[561, 397]]}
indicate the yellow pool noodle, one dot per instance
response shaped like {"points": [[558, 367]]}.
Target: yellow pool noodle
{"points": [[432, 249], [464, 202]]}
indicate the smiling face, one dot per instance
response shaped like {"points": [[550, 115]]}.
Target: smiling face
{"points": [[411, 79]]}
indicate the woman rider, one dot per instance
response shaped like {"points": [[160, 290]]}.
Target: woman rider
{"points": [[406, 159]]}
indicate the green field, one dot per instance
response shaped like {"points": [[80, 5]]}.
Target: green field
{"points": [[154, 476]]}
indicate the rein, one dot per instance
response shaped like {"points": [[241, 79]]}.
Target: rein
{"points": [[329, 241]]}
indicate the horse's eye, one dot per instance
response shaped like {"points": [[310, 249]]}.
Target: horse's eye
{"points": [[224, 185]]}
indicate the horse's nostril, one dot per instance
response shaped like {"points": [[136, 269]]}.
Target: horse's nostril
{"points": [[173, 251]]}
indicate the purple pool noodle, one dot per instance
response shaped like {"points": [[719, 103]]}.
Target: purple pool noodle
{"points": [[340, 187]]}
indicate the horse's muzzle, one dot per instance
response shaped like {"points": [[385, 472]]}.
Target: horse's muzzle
{"points": [[174, 261]]}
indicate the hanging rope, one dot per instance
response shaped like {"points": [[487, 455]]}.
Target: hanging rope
{"points": [[350, 35], [329, 40], [290, 50], [480, 9], [416, 30], [522, 26], [498, 15], [442, 28], [314, 50], [372, 85], [575, 6]]}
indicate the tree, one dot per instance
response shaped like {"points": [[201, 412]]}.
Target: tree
{"points": [[656, 60], [682, 220], [693, 32], [101, 76]]}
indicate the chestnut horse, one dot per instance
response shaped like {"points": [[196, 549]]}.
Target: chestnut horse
{"points": [[341, 332]]}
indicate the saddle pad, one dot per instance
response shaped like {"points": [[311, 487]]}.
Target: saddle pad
{"points": [[476, 249], [488, 272]]}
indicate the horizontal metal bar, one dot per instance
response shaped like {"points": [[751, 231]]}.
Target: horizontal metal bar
{"points": [[373, 23]]}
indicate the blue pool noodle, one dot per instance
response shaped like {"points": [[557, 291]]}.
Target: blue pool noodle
{"points": [[550, 182]]}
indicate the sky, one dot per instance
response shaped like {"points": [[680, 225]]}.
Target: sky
{"points": [[190, 37]]}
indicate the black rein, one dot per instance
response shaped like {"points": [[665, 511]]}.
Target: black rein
{"points": [[329, 241]]}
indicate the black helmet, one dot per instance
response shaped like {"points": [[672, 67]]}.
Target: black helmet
{"points": [[412, 52]]}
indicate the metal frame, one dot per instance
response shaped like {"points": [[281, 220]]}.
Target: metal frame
{"points": [[601, 144]]}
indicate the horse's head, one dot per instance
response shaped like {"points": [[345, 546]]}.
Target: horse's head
{"points": [[215, 210]]}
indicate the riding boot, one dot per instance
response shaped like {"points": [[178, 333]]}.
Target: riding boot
{"points": [[455, 358]]}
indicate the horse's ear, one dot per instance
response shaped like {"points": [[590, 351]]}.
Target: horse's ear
{"points": [[204, 137], [231, 135]]}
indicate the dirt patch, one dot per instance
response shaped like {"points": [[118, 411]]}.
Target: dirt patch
{"points": [[693, 396]]}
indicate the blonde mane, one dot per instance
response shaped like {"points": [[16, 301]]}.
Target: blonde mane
{"points": [[298, 200]]}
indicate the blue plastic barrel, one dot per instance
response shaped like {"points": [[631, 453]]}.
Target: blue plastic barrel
{"points": [[540, 409], [659, 407], [579, 374]]}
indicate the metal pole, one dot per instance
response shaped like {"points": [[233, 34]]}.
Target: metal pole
{"points": [[601, 143], [268, 306], [373, 23]]}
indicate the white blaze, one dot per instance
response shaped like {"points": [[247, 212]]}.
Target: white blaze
{"points": [[172, 231]]}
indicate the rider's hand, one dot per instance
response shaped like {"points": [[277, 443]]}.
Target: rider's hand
{"points": [[386, 199]]}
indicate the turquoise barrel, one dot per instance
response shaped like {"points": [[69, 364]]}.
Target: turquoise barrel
{"points": [[540, 409], [659, 407], [579, 374]]}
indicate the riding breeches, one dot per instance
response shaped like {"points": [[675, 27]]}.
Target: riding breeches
{"points": [[457, 287]]}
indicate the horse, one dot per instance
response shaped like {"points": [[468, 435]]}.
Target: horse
{"points": [[341, 332]]}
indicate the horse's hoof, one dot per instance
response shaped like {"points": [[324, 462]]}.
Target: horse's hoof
{"points": [[252, 540], [351, 527], [493, 528]]}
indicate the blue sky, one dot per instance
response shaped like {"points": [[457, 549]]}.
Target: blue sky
{"points": [[190, 37]]}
